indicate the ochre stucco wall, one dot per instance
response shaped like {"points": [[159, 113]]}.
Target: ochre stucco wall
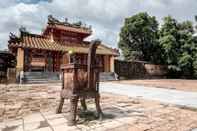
{"points": [[20, 60], [112, 58]]}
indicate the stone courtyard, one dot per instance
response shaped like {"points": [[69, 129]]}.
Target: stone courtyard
{"points": [[32, 108]]}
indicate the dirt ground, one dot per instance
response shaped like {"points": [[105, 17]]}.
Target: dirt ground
{"points": [[176, 84]]}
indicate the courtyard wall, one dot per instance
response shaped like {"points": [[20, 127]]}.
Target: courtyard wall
{"points": [[139, 70]]}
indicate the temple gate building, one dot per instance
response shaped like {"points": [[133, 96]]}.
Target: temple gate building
{"points": [[59, 43]]}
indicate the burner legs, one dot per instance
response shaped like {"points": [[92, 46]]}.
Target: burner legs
{"points": [[73, 110], [98, 107], [59, 109], [83, 104]]}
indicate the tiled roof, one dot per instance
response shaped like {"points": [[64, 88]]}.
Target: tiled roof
{"points": [[71, 29], [39, 42]]}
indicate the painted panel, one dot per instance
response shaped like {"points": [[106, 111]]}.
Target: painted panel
{"points": [[38, 62]]}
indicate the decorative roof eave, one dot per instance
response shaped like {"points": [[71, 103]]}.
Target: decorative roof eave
{"points": [[62, 48]]}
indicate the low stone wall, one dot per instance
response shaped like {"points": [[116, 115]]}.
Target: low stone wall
{"points": [[156, 70], [139, 70]]}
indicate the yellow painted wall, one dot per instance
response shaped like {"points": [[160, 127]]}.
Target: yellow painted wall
{"points": [[112, 63], [106, 63], [65, 58], [20, 60]]}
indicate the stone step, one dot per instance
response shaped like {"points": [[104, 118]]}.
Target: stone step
{"points": [[41, 77], [108, 76], [44, 77], [31, 81], [51, 77]]}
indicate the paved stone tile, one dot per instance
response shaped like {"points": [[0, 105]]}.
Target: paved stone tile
{"points": [[10, 123], [143, 127], [43, 129], [2, 125], [113, 124], [57, 121], [95, 125], [47, 113], [194, 129], [126, 120], [53, 116], [36, 117], [120, 128], [100, 129], [13, 128], [36, 125], [83, 127], [133, 128], [31, 126], [64, 127]]}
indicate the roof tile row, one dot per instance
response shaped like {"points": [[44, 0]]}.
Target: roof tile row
{"points": [[47, 44]]}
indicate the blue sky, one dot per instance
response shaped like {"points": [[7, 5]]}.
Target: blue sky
{"points": [[105, 16]]}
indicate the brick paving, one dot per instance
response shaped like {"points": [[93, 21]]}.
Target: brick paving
{"points": [[32, 108]]}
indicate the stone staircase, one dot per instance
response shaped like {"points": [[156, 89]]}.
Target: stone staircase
{"points": [[41, 77], [108, 76], [50, 77]]}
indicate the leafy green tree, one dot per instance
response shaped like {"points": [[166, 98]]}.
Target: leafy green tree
{"points": [[187, 49], [169, 42], [169, 46], [178, 44], [173, 44], [139, 38], [195, 53], [194, 64]]}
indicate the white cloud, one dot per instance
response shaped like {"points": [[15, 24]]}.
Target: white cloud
{"points": [[105, 16]]}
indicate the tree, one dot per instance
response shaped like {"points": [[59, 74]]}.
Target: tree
{"points": [[176, 39], [174, 44], [194, 64], [187, 49], [139, 37], [169, 41], [169, 46]]}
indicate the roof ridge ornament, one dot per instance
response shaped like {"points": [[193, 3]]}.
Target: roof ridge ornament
{"points": [[14, 38], [23, 31], [53, 21]]}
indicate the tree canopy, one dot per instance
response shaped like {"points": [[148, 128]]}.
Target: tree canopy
{"points": [[138, 37], [172, 44]]}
